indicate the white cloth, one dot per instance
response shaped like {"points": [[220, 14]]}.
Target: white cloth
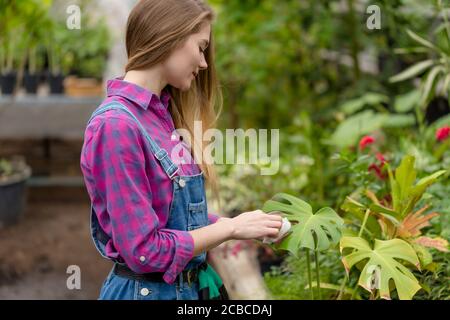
{"points": [[285, 227]]}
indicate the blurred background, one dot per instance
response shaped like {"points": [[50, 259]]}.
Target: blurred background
{"points": [[326, 73]]}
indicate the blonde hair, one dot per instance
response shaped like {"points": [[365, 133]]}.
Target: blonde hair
{"points": [[154, 29]]}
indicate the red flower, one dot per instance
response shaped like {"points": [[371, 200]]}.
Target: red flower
{"points": [[380, 157], [378, 168], [365, 141], [442, 133]]}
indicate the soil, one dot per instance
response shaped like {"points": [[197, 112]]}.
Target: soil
{"points": [[36, 253]]}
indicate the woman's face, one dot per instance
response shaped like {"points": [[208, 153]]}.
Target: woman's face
{"points": [[185, 62]]}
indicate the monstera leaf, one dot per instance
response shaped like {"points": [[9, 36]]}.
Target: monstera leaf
{"points": [[316, 231], [383, 264]]}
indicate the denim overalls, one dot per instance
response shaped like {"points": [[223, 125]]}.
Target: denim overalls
{"points": [[188, 211]]}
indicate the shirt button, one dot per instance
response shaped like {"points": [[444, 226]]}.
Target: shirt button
{"points": [[182, 183], [142, 258], [145, 292], [183, 161]]}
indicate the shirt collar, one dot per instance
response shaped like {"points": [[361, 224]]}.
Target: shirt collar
{"points": [[137, 94]]}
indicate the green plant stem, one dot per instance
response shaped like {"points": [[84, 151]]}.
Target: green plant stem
{"points": [[354, 292], [363, 226], [420, 122], [316, 256], [366, 217], [342, 288], [308, 266]]}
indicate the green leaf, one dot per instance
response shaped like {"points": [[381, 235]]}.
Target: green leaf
{"points": [[317, 231], [429, 82], [412, 71], [425, 182], [417, 191], [373, 99], [421, 40], [423, 254], [370, 98], [385, 212], [405, 194], [406, 102], [352, 106], [357, 210], [399, 121], [348, 131], [351, 205], [405, 176], [383, 263]]}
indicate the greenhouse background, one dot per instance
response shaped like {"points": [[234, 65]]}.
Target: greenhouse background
{"points": [[359, 91]]}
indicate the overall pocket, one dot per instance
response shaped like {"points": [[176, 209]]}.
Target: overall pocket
{"points": [[197, 215], [197, 218]]}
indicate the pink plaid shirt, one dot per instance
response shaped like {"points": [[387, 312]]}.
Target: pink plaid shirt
{"points": [[129, 190]]}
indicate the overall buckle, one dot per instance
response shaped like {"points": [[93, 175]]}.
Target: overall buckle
{"points": [[189, 276]]}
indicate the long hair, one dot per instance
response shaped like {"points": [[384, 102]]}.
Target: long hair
{"points": [[154, 29]]}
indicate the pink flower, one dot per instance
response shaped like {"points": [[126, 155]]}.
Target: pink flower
{"points": [[365, 141], [442, 133]]}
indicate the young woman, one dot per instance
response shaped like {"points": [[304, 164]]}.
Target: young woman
{"points": [[149, 212]]}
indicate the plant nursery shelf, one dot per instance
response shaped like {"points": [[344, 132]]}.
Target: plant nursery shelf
{"points": [[33, 117]]}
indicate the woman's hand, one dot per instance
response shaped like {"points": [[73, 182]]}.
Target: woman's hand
{"points": [[248, 225], [253, 225]]}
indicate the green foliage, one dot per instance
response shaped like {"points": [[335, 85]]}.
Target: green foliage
{"points": [[317, 231], [300, 66], [382, 265], [44, 32]]}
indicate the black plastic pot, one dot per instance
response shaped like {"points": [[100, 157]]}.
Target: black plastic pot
{"points": [[8, 82], [13, 198], [31, 82], [56, 83], [436, 109]]}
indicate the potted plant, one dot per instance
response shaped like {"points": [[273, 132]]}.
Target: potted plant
{"points": [[9, 46], [18, 33], [13, 176], [36, 20], [90, 50], [33, 72], [60, 57]]}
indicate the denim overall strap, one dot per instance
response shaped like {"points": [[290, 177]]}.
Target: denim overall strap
{"points": [[169, 167]]}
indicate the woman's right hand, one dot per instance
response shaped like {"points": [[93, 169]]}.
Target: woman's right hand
{"points": [[255, 225]]}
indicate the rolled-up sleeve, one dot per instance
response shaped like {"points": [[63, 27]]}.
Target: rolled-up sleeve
{"points": [[118, 163]]}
